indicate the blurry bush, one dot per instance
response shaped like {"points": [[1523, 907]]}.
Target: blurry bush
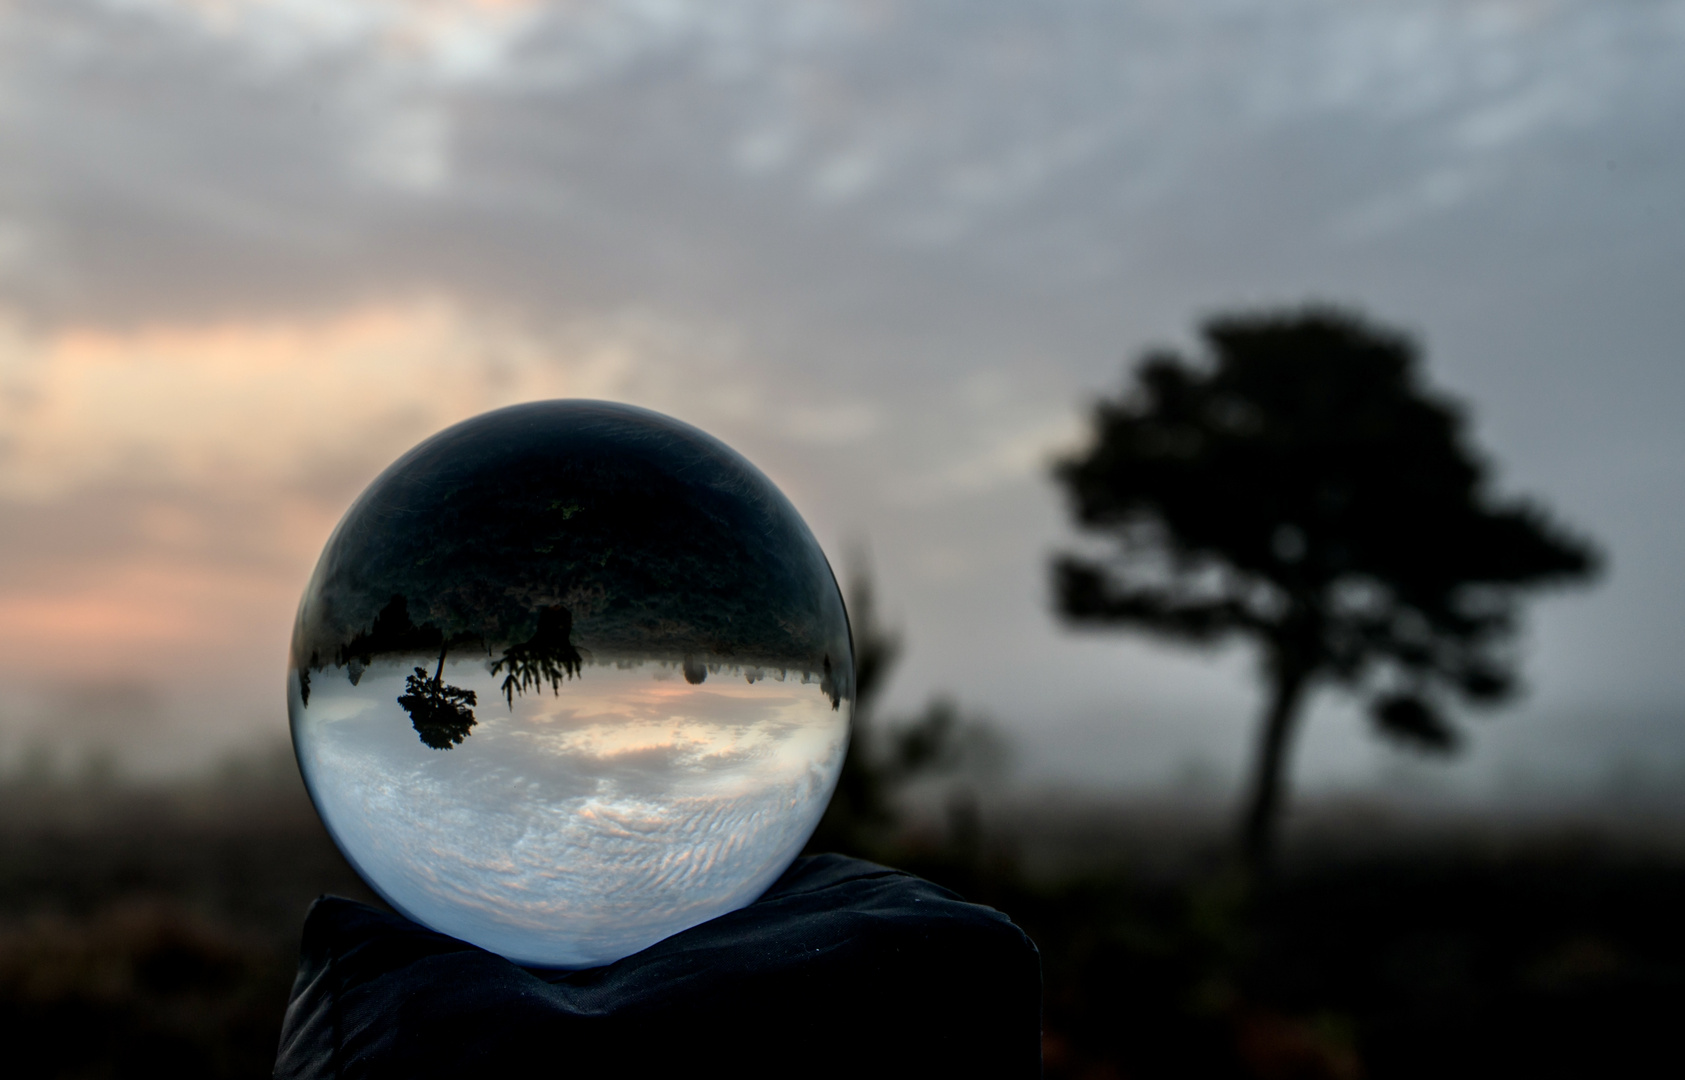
{"points": [[151, 928], [941, 751], [141, 988]]}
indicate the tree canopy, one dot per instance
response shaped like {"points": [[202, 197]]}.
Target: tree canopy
{"points": [[1300, 487]]}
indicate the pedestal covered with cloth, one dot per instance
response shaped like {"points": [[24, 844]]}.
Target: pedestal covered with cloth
{"points": [[843, 968]]}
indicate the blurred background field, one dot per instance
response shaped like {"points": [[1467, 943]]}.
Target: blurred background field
{"points": [[152, 929]]}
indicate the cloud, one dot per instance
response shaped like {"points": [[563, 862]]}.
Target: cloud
{"points": [[193, 155], [1006, 433], [277, 401]]}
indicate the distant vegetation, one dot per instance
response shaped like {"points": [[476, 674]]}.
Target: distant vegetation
{"points": [[152, 929]]}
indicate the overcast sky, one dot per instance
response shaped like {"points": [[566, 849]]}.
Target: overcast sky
{"points": [[251, 250]]}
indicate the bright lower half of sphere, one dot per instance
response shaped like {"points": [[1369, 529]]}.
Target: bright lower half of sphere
{"points": [[574, 828]]}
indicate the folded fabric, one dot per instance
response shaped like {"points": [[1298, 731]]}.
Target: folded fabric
{"points": [[843, 968]]}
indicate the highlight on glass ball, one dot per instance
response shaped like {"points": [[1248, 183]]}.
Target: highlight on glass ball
{"points": [[570, 677]]}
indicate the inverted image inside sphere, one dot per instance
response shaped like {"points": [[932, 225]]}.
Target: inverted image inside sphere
{"points": [[570, 677]]}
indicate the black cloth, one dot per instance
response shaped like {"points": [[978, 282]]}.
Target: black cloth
{"points": [[843, 968]]}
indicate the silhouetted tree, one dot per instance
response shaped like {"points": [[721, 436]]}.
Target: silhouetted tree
{"points": [[548, 656], [439, 712], [1303, 490], [392, 633]]}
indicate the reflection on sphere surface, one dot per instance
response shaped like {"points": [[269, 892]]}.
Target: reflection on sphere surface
{"points": [[570, 677]]}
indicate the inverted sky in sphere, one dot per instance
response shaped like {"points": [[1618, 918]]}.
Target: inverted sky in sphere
{"points": [[579, 827]]}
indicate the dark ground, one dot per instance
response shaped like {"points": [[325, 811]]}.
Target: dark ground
{"points": [[154, 932]]}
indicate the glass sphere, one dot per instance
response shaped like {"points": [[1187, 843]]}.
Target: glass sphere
{"points": [[569, 678]]}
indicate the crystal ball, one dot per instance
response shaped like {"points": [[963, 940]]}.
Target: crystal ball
{"points": [[570, 677]]}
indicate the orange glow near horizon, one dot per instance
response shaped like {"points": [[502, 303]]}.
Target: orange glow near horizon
{"points": [[221, 455], [168, 487], [134, 620]]}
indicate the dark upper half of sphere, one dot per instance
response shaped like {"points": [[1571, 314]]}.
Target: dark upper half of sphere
{"points": [[618, 530]]}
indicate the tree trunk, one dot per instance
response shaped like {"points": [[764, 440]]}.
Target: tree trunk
{"points": [[1263, 810]]}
